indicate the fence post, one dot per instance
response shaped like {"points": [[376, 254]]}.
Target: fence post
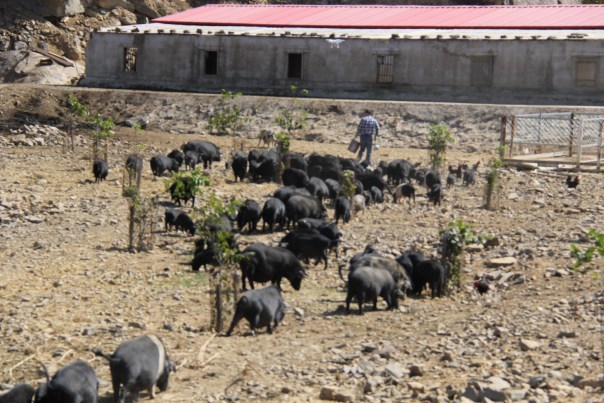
{"points": [[512, 136], [580, 144], [572, 134], [504, 123], [599, 163]]}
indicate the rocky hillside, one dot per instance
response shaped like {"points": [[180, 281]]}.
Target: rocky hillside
{"points": [[62, 27]]}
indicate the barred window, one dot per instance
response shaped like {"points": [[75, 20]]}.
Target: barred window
{"points": [[385, 68]]}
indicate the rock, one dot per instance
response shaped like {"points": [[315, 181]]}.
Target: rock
{"points": [[111, 4], [62, 8], [88, 331], [448, 356], [526, 345], [473, 392], [39, 244], [124, 16], [395, 370], [330, 393], [299, 312], [591, 383], [494, 395], [502, 262], [498, 383], [499, 331], [142, 121], [416, 387], [537, 381], [415, 370], [567, 334], [516, 394], [34, 219], [58, 283]]}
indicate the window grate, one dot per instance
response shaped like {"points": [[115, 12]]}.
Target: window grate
{"points": [[385, 68], [130, 59]]}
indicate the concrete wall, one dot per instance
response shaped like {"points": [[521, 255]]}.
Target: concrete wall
{"points": [[423, 69]]}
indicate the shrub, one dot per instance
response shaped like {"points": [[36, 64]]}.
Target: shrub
{"points": [[439, 138], [229, 118]]}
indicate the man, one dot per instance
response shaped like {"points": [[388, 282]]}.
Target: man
{"points": [[367, 127]]}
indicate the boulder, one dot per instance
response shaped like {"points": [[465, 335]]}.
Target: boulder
{"points": [[61, 8], [111, 4], [33, 69]]}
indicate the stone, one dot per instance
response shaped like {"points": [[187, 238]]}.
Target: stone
{"points": [[526, 345], [111, 4], [88, 331], [473, 392], [537, 381], [415, 370], [493, 394], [416, 387], [501, 262], [299, 312], [498, 383], [515, 395], [332, 394], [395, 370], [591, 383], [567, 334]]}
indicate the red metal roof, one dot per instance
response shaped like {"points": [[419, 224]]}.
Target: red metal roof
{"points": [[451, 17]]}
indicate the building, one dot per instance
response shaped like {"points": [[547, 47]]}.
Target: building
{"points": [[463, 53]]}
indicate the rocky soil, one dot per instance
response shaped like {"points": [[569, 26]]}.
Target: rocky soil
{"points": [[68, 285]]}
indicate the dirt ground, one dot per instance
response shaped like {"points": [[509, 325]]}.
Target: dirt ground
{"points": [[68, 285]]}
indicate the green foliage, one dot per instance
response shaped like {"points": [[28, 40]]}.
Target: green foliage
{"points": [[187, 183], [439, 138], [295, 117], [348, 184], [76, 107], [585, 256], [454, 238], [230, 117], [283, 143], [104, 127], [130, 191], [137, 128]]}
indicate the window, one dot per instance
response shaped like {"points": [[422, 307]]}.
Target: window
{"points": [[130, 59], [587, 71], [481, 71], [294, 65], [385, 66], [211, 63]]}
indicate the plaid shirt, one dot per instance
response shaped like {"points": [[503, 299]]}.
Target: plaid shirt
{"points": [[367, 125]]}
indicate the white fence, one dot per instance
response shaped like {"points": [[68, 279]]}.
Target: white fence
{"points": [[563, 134]]}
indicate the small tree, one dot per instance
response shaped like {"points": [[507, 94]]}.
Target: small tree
{"points": [[493, 186], [282, 154], [78, 111], [453, 239], [187, 185], [229, 118], [439, 138], [294, 118], [349, 187], [103, 130], [224, 282]]}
